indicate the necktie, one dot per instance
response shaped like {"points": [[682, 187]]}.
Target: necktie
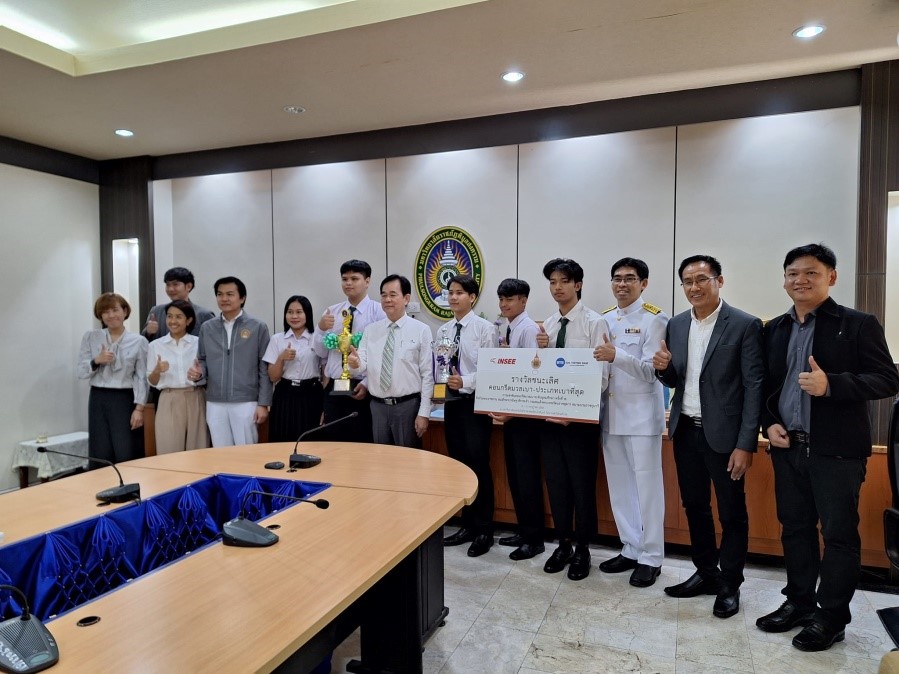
{"points": [[352, 316], [387, 364], [560, 338], [457, 338], [508, 334]]}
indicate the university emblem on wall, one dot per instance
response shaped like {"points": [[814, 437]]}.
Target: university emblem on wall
{"points": [[445, 253]]}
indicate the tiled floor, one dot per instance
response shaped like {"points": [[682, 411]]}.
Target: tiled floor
{"points": [[510, 616]]}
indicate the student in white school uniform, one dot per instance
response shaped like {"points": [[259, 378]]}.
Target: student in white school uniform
{"points": [[295, 370], [181, 410], [468, 434], [395, 353]]}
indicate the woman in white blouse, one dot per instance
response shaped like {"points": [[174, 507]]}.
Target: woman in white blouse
{"points": [[114, 360], [295, 370], [181, 411]]}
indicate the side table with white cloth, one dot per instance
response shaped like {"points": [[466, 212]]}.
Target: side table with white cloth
{"points": [[50, 465]]}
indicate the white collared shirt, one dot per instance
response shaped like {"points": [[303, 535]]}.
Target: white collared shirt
{"points": [[524, 332], [585, 329], [306, 364], [476, 332], [412, 364], [180, 356], [229, 325], [366, 313], [700, 334]]}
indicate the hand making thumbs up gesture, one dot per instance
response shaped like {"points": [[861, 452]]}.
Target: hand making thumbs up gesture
{"points": [[605, 352], [352, 359], [195, 373], [542, 338], [327, 321], [105, 357], [815, 382], [662, 358], [161, 365]]}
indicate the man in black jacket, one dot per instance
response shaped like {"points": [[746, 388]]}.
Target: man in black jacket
{"points": [[824, 362]]}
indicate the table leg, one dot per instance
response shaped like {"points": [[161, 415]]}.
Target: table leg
{"points": [[23, 477]]}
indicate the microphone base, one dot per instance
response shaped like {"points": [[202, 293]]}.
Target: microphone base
{"points": [[26, 646], [304, 460], [121, 494], [241, 532]]}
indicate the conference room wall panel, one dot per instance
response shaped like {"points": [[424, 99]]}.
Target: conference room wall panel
{"points": [[222, 226], [51, 276], [598, 199], [474, 190], [322, 216], [748, 190]]}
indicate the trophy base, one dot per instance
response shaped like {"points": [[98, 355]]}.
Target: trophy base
{"points": [[342, 387], [439, 394]]}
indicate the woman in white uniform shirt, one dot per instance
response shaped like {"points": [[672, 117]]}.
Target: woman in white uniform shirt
{"points": [[181, 411], [114, 360], [295, 369]]}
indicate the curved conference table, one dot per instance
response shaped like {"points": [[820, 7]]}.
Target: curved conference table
{"points": [[260, 609]]}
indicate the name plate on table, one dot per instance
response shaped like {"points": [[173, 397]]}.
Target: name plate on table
{"points": [[541, 383]]}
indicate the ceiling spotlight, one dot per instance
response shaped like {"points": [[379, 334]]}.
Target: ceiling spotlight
{"points": [[124, 133], [294, 109], [806, 32], [513, 76]]}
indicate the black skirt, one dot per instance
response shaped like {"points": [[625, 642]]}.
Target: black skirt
{"points": [[296, 407]]}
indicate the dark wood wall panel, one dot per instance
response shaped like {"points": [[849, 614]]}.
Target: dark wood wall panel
{"points": [[126, 211], [46, 160]]}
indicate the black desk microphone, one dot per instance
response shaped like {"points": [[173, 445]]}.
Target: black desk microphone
{"points": [[309, 460], [26, 645], [245, 533], [121, 494]]}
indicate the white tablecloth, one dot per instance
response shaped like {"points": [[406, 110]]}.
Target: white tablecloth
{"points": [[49, 465]]}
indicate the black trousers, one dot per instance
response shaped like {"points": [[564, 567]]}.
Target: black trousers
{"points": [[570, 461], [468, 440], [357, 429], [698, 467], [295, 409], [109, 425], [521, 441], [810, 488]]}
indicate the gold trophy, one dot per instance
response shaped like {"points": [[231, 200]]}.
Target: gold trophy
{"points": [[342, 342]]}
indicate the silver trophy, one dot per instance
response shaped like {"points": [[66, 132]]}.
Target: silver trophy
{"points": [[444, 350]]}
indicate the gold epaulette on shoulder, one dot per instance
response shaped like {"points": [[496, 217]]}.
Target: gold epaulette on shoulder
{"points": [[611, 308], [652, 308]]}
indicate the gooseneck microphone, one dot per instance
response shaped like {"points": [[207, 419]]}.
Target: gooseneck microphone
{"points": [[121, 494], [309, 460], [245, 533], [26, 645]]}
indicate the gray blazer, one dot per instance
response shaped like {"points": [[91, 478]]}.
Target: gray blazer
{"points": [[730, 382]]}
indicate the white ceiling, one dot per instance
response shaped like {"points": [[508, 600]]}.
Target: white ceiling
{"points": [[73, 72]]}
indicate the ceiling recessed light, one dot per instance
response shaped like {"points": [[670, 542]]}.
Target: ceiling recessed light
{"points": [[294, 109], [513, 76], [124, 133], [806, 32]]}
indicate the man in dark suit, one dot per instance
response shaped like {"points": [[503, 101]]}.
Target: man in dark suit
{"points": [[715, 366], [823, 362]]}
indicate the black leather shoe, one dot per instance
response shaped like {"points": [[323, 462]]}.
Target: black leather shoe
{"points": [[694, 586], [481, 544], [512, 541], [645, 575], [618, 564], [559, 559], [462, 536], [727, 603], [785, 618], [580, 563], [817, 637], [526, 551]]}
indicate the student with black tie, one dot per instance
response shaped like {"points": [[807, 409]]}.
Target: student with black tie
{"points": [[468, 434]]}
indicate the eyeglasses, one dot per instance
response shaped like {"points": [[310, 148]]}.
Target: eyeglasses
{"points": [[629, 280], [700, 281]]}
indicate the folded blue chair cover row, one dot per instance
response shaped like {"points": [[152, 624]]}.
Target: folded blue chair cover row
{"points": [[65, 568]]}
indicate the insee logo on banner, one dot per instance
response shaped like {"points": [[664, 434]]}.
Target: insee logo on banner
{"points": [[504, 361]]}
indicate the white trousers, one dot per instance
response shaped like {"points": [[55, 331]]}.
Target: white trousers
{"points": [[637, 492], [231, 424]]}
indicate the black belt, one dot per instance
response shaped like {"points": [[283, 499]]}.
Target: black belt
{"points": [[397, 400], [798, 439], [695, 421], [303, 383]]}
